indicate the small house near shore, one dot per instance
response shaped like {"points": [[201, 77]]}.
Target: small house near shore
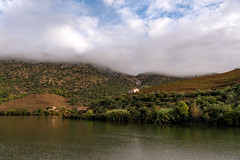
{"points": [[133, 90], [82, 108], [52, 108]]}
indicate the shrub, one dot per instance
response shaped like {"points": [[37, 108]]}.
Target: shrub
{"points": [[88, 115], [24, 112], [117, 115], [39, 111], [182, 109], [195, 112], [2, 113], [165, 116], [134, 112]]}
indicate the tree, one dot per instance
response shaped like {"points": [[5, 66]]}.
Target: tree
{"points": [[183, 110], [88, 115], [195, 112]]}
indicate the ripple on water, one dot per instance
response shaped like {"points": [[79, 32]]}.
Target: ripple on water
{"points": [[40, 138]]}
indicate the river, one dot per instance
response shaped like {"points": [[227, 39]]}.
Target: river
{"points": [[54, 138]]}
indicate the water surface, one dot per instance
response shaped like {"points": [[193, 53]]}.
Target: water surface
{"points": [[53, 138]]}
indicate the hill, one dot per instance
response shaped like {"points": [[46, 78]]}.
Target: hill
{"points": [[81, 83], [151, 79], [199, 83], [36, 101]]}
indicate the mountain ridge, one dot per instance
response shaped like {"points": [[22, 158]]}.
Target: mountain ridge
{"points": [[81, 83]]}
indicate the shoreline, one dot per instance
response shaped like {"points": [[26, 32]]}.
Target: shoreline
{"points": [[137, 122]]}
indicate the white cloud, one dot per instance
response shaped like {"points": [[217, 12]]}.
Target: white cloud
{"points": [[203, 38], [201, 41], [164, 5], [157, 7], [67, 37], [1, 5], [203, 3], [132, 20], [115, 3], [33, 24], [160, 26]]}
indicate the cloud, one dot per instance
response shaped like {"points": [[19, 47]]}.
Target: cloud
{"points": [[132, 20], [160, 26], [115, 3], [193, 44], [170, 36], [44, 26]]}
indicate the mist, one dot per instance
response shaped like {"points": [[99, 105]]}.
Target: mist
{"points": [[179, 38]]}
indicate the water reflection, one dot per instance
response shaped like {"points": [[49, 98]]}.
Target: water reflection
{"points": [[54, 138]]}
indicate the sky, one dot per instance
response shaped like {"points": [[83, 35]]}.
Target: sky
{"points": [[176, 37]]}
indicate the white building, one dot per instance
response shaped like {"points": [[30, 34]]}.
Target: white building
{"points": [[82, 108], [133, 90]]}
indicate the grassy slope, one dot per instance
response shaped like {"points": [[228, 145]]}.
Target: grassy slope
{"points": [[36, 101], [199, 83]]}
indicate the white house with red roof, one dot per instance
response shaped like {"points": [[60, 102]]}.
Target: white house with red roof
{"points": [[133, 90], [82, 108]]}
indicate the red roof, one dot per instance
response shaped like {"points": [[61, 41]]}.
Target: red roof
{"points": [[83, 107], [132, 89]]}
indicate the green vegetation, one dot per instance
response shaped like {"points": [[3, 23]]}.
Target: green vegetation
{"points": [[219, 107], [25, 112], [117, 115], [15, 112], [81, 83], [152, 79]]}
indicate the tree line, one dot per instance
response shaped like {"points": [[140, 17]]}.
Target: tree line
{"points": [[219, 107]]}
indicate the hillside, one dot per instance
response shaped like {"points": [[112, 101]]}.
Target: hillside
{"points": [[200, 83], [81, 83], [151, 79], [36, 101]]}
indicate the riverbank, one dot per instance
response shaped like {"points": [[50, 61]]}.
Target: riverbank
{"points": [[115, 116], [213, 107]]}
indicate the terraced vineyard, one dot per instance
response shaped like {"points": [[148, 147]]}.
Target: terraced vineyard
{"points": [[200, 83]]}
